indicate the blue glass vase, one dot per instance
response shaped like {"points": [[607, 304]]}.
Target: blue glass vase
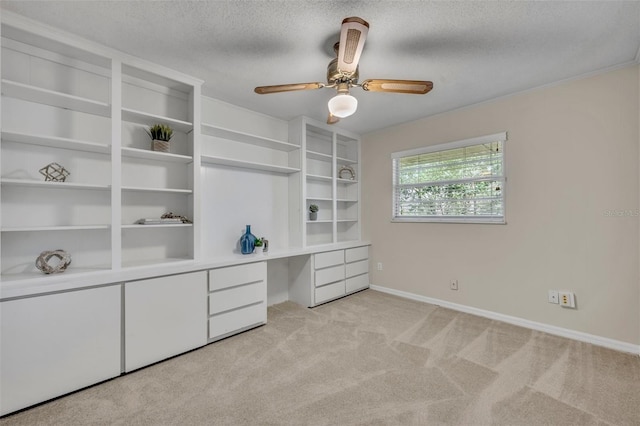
{"points": [[247, 241]]}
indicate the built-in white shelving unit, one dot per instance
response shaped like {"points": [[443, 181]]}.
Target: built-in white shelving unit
{"points": [[86, 108], [327, 150], [155, 183], [56, 107]]}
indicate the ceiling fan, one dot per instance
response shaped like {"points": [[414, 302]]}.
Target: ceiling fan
{"points": [[342, 74]]}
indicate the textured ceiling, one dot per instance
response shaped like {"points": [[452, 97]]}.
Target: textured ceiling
{"points": [[472, 51]]}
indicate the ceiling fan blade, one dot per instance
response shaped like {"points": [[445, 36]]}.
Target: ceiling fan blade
{"points": [[332, 119], [263, 90], [416, 87], [352, 37]]}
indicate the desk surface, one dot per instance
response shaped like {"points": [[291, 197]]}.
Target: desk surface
{"points": [[17, 288]]}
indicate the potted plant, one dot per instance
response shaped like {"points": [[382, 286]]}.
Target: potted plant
{"points": [[258, 244], [313, 212], [160, 134]]}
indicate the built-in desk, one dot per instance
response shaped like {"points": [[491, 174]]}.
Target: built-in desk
{"points": [[65, 332]]}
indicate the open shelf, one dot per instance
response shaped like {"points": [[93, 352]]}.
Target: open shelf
{"points": [[52, 185], [320, 178], [55, 142], [155, 155], [165, 190], [211, 159], [347, 181], [347, 161], [223, 133], [319, 156], [54, 228], [151, 119], [57, 99], [160, 225]]}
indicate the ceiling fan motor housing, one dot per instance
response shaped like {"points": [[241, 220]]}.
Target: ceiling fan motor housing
{"points": [[335, 76]]}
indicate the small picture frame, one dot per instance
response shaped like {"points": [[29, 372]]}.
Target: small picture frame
{"points": [[347, 172]]}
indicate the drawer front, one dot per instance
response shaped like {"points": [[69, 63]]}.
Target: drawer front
{"points": [[329, 275], [329, 292], [330, 258], [236, 275], [357, 268], [235, 297], [225, 324], [357, 283], [355, 254]]}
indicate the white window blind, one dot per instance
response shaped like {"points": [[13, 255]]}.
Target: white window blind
{"points": [[461, 181]]}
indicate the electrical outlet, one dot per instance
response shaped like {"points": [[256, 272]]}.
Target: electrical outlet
{"points": [[379, 266], [567, 299], [453, 284], [553, 297]]}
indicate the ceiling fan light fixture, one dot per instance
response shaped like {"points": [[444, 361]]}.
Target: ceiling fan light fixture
{"points": [[343, 105]]}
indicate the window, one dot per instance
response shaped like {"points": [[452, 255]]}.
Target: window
{"points": [[460, 181]]}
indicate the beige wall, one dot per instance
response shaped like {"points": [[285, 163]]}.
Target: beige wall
{"points": [[571, 156]]}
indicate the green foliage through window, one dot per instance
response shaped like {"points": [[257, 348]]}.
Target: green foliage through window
{"points": [[449, 182]]}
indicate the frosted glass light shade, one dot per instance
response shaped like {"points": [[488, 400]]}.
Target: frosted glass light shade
{"points": [[343, 105]]}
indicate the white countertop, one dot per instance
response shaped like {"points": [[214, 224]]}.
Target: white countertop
{"points": [[32, 285]]}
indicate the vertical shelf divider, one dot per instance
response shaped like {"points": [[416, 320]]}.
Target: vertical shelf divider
{"points": [[116, 164], [334, 187], [194, 172]]}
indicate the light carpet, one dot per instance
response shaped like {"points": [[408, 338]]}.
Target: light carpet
{"points": [[367, 359]]}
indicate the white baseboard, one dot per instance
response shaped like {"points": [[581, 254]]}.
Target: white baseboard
{"points": [[533, 325]]}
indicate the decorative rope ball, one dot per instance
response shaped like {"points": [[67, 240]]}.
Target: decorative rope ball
{"points": [[64, 260]]}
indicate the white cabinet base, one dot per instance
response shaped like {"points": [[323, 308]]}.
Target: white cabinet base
{"points": [[237, 299], [325, 276], [164, 317], [55, 344]]}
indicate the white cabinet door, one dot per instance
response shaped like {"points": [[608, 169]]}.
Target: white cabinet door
{"points": [[54, 344], [164, 317]]}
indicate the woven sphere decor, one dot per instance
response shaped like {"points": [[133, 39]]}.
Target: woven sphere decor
{"points": [[42, 262]]}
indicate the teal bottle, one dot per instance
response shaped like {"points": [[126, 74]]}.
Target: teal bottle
{"points": [[247, 241]]}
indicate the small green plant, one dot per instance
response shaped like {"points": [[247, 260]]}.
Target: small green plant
{"points": [[258, 242], [313, 208], [160, 132]]}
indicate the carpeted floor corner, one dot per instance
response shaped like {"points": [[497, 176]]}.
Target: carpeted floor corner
{"points": [[368, 359]]}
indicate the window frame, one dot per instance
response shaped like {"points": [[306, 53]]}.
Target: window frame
{"points": [[497, 220]]}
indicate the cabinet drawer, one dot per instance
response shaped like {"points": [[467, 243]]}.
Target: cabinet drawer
{"points": [[236, 275], [329, 292], [330, 258], [357, 283], [329, 275], [355, 254], [235, 297], [357, 268], [230, 322]]}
